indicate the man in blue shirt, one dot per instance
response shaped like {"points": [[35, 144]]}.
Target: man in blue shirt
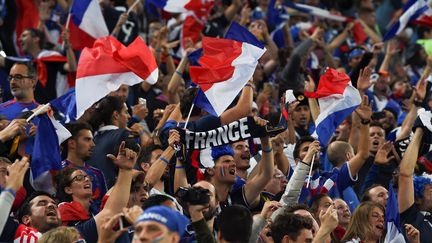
{"points": [[22, 80]]}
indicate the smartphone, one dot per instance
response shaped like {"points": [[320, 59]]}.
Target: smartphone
{"points": [[123, 223], [142, 101]]}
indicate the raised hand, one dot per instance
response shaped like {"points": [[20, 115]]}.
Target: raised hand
{"points": [[382, 155], [268, 208], [412, 234], [259, 121], [132, 214], [329, 219], [364, 81], [313, 149], [17, 171], [364, 111], [174, 137], [106, 232], [125, 159], [420, 90]]}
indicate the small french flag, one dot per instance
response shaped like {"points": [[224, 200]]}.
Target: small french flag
{"points": [[177, 6], [87, 24], [337, 99], [223, 66]]}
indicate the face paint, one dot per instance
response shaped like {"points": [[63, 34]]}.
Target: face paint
{"points": [[222, 171], [158, 239]]}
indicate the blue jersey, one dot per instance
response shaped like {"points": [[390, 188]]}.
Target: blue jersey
{"points": [[12, 109]]}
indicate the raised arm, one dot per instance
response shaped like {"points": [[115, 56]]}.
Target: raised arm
{"points": [[364, 111], [242, 108], [255, 185], [406, 172], [176, 79], [119, 196], [158, 167], [71, 64]]}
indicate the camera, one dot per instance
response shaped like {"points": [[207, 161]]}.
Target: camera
{"points": [[194, 195]]}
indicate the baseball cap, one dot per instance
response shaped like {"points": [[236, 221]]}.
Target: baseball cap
{"points": [[172, 219]]}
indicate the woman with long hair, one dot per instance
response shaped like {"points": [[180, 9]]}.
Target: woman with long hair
{"points": [[367, 224]]}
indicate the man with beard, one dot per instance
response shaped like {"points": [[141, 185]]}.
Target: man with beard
{"points": [[202, 216], [79, 148], [22, 81]]}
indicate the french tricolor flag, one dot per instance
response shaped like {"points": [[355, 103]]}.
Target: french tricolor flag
{"points": [[86, 24], [108, 65], [223, 66], [177, 6], [337, 99], [412, 10]]}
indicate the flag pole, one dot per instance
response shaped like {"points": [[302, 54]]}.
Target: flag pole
{"points": [[310, 171], [190, 112], [133, 6], [68, 20]]}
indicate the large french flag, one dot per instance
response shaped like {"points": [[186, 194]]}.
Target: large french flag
{"points": [[177, 6], [223, 66], [108, 65], [45, 158], [393, 234], [412, 10], [86, 24], [337, 99]]}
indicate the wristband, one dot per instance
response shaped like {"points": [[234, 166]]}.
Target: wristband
{"points": [[248, 85], [179, 73], [179, 167], [11, 191], [365, 122], [164, 160], [267, 150]]}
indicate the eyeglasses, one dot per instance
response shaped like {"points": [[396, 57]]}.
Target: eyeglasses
{"points": [[79, 178], [17, 77]]}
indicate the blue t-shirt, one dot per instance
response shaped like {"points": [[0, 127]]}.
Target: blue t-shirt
{"points": [[12, 109]]}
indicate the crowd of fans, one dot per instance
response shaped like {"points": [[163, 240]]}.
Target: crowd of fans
{"points": [[124, 178]]}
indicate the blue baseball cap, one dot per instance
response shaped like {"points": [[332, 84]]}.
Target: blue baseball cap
{"points": [[172, 219]]}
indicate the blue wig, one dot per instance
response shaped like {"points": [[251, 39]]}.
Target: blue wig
{"points": [[217, 152], [419, 185]]}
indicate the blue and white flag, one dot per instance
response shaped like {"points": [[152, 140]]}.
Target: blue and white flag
{"points": [[411, 11], [393, 234]]}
